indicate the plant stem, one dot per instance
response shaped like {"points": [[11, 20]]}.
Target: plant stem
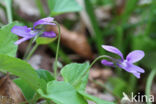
{"points": [[57, 50], [98, 36], [149, 84], [98, 58], [28, 48], [8, 9], [62, 54], [31, 52], [30, 44], [40, 7]]}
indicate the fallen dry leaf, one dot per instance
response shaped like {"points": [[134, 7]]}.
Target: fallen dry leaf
{"points": [[75, 41], [9, 90]]}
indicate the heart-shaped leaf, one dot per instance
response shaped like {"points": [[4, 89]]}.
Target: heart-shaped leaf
{"points": [[58, 7], [74, 72], [7, 40], [94, 99], [21, 69], [46, 75], [62, 93], [27, 91]]}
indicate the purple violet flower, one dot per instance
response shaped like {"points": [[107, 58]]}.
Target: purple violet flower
{"points": [[44, 21], [27, 33], [126, 64]]}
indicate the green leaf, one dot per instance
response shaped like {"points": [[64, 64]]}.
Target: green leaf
{"points": [[21, 69], [46, 75], [62, 93], [82, 85], [74, 72], [43, 40], [94, 99], [7, 40], [27, 91], [58, 7], [64, 57]]}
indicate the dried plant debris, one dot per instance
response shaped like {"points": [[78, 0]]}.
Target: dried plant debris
{"points": [[75, 41], [6, 100], [9, 92]]}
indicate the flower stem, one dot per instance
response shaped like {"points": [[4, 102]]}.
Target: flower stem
{"points": [[31, 52], [8, 9], [28, 48], [98, 58], [30, 44], [149, 84], [57, 50]]}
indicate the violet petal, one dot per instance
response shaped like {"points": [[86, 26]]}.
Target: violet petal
{"points": [[137, 75], [113, 50], [107, 63], [21, 40], [44, 21], [22, 31], [50, 34], [136, 68], [131, 68], [135, 56]]}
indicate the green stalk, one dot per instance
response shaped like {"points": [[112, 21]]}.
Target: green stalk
{"points": [[28, 48], [149, 84], [40, 7], [31, 52], [27, 54], [98, 38], [62, 54], [98, 58], [57, 50], [8, 9]]}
